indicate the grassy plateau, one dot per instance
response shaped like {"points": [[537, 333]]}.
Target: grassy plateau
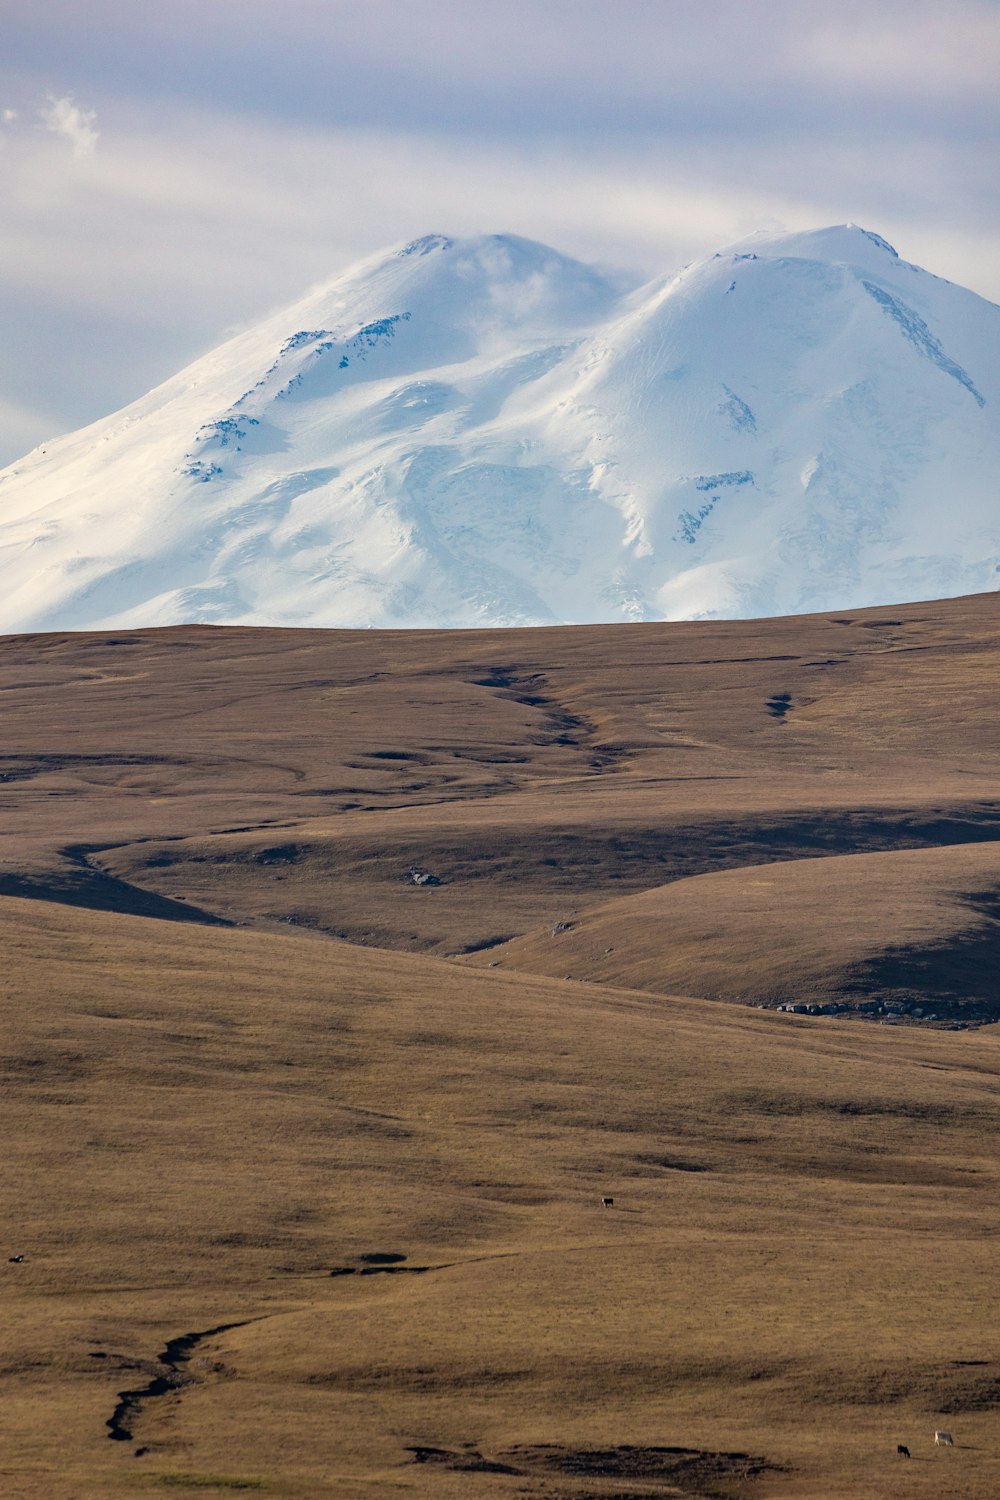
{"points": [[345, 974]]}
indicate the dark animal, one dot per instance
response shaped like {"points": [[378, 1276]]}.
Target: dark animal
{"points": [[902, 1451], [608, 1202], [14, 1260]]}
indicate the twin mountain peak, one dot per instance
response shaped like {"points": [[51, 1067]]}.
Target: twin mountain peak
{"points": [[474, 432]]}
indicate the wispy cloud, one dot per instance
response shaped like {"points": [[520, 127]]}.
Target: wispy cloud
{"points": [[938, 52], [642, 135], [65, 117]]}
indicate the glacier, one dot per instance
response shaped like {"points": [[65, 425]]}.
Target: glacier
{"points": [[479, 432]]}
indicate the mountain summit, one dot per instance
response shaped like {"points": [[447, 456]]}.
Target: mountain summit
{"points": [[486, 432]]}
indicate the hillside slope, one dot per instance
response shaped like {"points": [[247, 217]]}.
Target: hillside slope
{"points": [[913, 933], [302, 1199], [295, 1218], [446, 792]]}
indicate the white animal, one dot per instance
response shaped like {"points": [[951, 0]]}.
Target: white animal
{"points": [[943, 1440]]}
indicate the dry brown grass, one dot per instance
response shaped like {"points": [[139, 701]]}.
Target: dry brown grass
{"points": [[800, 1263], [919, 924], [201, 1123], [296, 775]]}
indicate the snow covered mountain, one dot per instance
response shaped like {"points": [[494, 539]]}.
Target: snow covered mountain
{"points": [[482, 432]]}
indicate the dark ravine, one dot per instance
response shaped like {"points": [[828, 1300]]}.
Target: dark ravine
{"points": [[384, 1270], [80, 881], [561, 726], [385, 1263], [177, 1352], [673, 1470], [608, 859]]}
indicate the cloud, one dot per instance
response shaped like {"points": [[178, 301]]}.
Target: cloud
{"points": [[233, 174], [934, 52], [76, 125], [523, 68], [9, 116]]}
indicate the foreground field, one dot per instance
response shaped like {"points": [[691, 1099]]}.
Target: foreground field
{"points": [[345, 974], [799, 1266]]}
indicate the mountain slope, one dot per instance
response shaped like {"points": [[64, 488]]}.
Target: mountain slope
{"points": [[486, 432]]}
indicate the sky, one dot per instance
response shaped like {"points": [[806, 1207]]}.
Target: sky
{"points": [[171, 172]]}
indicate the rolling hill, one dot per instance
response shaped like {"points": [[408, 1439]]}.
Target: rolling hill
{"points": [[312, 778], [308, 1133]]}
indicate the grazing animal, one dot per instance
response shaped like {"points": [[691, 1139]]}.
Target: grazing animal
{"points": [[608, 1202], [943, 1440], [15, 1260], [902, 1451]]}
